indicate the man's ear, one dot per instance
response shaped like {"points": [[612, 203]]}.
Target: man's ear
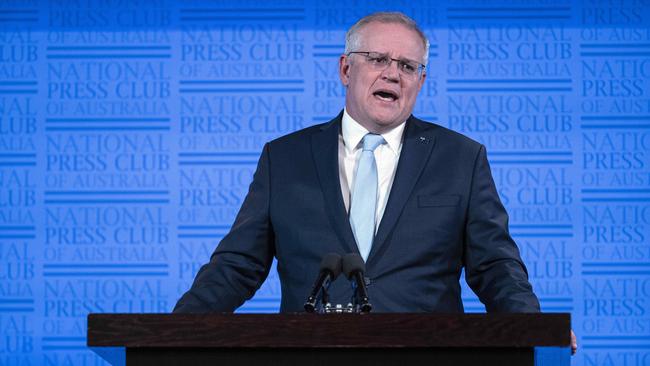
{"points": [[344, 70], [421, 81]]}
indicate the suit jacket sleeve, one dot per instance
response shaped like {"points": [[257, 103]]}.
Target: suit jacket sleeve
{"points": [[493, 267], [242, 261]]}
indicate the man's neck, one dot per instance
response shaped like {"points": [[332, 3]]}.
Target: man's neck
{"points": [[373, 127]]}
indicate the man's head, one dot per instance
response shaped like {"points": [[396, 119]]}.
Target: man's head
{"points": [[381, 93]]}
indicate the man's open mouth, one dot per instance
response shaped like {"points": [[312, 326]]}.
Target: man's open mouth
{"points": [[386, 95]]}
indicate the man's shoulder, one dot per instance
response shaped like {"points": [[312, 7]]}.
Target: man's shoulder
{"points": [[446, 136], [300, 135], [443, 134], [302, 138]]}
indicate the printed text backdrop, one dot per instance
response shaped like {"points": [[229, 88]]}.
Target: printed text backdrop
{"points": [[130, 130]]}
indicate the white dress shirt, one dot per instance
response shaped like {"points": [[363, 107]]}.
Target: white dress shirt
{"points": [[386, 156]]}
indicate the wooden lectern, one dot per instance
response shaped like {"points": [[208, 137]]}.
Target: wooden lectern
{"points": [[331, 339]]}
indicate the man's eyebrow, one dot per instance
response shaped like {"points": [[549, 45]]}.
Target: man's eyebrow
{"points": [[400, 58]]}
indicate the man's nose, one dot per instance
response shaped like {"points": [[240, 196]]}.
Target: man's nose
{"points": [[391, 72]]}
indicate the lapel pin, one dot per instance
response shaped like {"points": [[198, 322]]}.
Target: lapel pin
{"points": [[423, 139]]}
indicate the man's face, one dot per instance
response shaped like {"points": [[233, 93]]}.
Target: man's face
{"points": [[382, 99]]}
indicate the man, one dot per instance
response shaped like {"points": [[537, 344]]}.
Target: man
{"points": [[416, 200]]}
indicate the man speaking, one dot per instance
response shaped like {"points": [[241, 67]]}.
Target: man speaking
{"points": [[415, 200]]}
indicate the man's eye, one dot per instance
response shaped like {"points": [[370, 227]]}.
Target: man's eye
{"points": [[408, 67], [379, 60]]}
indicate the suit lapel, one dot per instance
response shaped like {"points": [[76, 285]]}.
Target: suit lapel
{"points": [[416, 149], [325, 154]]}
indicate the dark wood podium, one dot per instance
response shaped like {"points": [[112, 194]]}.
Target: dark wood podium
{"points": [[333, 339]]}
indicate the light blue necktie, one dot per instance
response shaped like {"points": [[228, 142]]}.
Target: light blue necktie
{"points": [[364, 195]]}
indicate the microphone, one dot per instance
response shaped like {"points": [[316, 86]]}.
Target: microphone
{"points": [[330, 268], [354, 268]]}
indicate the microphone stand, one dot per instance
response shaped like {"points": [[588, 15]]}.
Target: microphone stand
{"points": [[360, 301], [324, 297]]}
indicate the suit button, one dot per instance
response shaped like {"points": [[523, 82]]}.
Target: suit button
{"points": [[367, 280]]}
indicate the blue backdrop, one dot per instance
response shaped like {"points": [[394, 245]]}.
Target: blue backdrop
{"points": [[129, 132]]}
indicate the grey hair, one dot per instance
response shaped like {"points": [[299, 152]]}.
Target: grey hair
{"points": [[353, 39]]}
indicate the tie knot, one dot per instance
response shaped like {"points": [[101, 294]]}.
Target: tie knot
{"points": [[371, 141]]}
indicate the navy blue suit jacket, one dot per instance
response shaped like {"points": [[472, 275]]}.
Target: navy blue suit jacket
{"points": [[443, 214]]}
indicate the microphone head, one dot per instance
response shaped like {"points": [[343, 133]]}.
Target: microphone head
{"points": [[352, 263], [331, 262]]}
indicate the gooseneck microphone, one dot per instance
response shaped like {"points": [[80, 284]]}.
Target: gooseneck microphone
{"points": [[330, 268], [354, 269]]}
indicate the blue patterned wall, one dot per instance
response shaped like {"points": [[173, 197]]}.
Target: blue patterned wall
{"points": [[129, 132]]}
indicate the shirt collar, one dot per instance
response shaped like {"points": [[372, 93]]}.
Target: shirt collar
{"points": [[353, 132]]}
